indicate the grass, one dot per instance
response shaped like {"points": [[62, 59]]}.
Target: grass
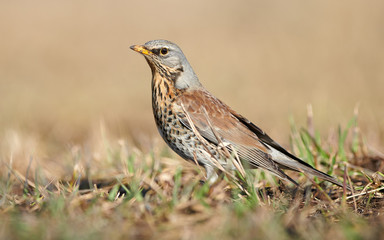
{"points": [[114, 190]]}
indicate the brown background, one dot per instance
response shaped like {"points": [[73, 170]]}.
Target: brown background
{"points": [[65, 66]]}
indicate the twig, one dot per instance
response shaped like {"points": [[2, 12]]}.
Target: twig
{"points": [[364, 193], [154, 186], [237, 161], [352, 191]]}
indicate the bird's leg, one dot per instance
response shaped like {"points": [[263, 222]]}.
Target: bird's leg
{"points": [[211, 174]]}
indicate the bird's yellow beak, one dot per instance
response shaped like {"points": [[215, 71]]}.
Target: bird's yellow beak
{"points": [[141, 49]]}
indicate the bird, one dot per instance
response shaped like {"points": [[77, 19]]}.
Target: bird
{"points": [[201, 128]]}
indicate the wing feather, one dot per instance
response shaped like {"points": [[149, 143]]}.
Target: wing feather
{"points": [[201, 104], [252, 144]]}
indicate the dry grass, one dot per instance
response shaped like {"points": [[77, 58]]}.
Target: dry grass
{"points": [[79, 154], [109, 188]]}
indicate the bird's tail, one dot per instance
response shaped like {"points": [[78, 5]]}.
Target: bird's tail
{"points": [[298, 165], [314, 172]]}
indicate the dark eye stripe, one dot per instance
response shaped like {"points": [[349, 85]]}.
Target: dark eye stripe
{"points": [[156, 51]]}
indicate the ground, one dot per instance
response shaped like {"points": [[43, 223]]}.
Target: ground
{"points": [[116, 190]]}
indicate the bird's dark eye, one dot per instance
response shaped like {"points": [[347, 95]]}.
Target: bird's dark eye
{"points": [[164, 51]]}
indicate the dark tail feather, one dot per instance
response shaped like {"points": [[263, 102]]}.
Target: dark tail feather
{"points": [[322, 175]]}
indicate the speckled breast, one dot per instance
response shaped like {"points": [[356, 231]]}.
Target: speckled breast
{"points": [[174, 133], [177, 136]]}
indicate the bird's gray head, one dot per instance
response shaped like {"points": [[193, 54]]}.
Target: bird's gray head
{"points": [[167, 59]]}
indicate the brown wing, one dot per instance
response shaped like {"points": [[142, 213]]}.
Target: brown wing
{"points": [[252, 144], [226, 126]]}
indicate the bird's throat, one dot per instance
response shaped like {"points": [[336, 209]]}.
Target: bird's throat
{"points": [[163, 92]]}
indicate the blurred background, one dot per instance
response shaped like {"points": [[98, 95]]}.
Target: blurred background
{"points": [[66, 66]]}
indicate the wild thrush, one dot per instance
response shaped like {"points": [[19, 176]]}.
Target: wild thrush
{"points": [[201, 128]]}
